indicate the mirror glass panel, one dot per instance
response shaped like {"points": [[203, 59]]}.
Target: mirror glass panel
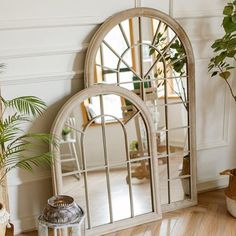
{"points": [[146, 56], [105, 160]]}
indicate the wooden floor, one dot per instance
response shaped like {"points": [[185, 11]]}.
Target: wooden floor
{"points": [[209, 218]]}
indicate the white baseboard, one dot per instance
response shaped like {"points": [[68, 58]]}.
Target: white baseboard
{"points": [[210, 184], [24, 225]]}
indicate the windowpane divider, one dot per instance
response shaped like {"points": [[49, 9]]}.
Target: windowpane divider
{"points": [[173, 154], [166, 132], [117, 164], [106, 159], [179, 177], [171, 129]]}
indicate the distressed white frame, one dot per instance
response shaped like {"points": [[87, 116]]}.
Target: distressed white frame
{"points": [[58, 125]]}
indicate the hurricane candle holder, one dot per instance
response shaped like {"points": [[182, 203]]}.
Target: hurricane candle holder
{"points": [[62, 216]]}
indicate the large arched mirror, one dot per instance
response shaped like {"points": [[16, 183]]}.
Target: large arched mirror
{"points": [[107, 140], [148, 53]]}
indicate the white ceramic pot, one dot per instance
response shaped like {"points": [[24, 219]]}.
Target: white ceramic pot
{"points": [[4, 215], [4, 220], [66, 137], [231, 206]]}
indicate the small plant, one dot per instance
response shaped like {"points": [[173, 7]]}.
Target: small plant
{"points": [[225, 48], [134, 146], [66, 130]]}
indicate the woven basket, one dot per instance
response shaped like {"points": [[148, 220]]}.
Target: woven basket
{"points": [[230, 191]]}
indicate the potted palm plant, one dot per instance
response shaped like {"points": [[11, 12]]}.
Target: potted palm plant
{"points": [[221, 65], [19, 149]]}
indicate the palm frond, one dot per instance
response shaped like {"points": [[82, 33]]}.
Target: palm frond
{"points": [[27, 105], [9, 127], [42, 137], [26, 145], [21, 147], [7, 136], [19, 141], [17, 149], [10, 120], [1, 66], [27, 163]]}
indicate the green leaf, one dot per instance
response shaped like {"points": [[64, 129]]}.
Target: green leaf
{"points": [[220, 58], [17, 149], [231, 53], [230, 67], [210, 67], [175, 45], [225, 75], [151, 51], [228, 10], [27, 163], [234, 18], [231, 44], [9, 127], [217, 43], [228, 25], [27, 105], [214, 73]]}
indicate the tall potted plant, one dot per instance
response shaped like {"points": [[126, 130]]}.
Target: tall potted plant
{"points": [[225, 48], [19, 149], [221, 65]]}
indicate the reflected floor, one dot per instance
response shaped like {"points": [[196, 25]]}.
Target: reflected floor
{"points": [[99, 202]]}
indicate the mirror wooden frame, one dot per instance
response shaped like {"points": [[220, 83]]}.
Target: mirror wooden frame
{"points": [[176, 27], [58, 124]]}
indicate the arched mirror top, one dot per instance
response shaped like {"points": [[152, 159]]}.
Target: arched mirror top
{"points": [[95, 91], [139, 43], [112, 138], [148, 52]]}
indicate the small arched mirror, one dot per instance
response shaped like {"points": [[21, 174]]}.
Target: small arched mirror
{"points": [[148, 53], [107, 158]]}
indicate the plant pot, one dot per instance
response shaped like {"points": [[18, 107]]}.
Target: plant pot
{"points": [[231, 206], [66, 137], [186, 165], [3, 214], [230, 191], [185, 171]]}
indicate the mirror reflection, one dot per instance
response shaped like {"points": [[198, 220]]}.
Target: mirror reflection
{"points": [[143, 52], [105, 159], [144, 55]]}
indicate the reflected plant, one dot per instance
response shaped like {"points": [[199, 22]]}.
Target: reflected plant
{"points": [[66, 130], [225, 48], [134, 145], [176, 57]]}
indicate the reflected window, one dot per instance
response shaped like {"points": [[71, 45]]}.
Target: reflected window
{"points": [[155, 54], [108, 56], [112, 106]]}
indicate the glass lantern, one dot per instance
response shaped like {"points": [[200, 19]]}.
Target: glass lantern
{"points": [[61, 217]]}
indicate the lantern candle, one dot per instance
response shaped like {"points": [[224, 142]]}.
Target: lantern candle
{"points": [[63, 216]]}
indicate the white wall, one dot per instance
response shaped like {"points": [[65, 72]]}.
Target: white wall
{"points": [[43, 44], [215, 108]]}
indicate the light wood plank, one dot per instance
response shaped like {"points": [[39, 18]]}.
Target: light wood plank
{"points": [[210, 217]]}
